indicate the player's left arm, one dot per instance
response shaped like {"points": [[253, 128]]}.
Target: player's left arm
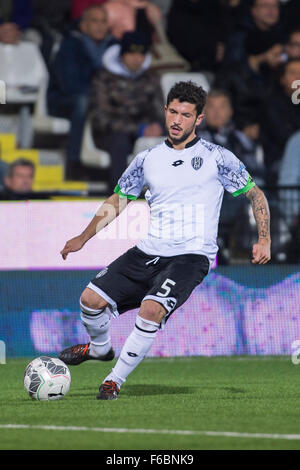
{"points": [[262, 249]]}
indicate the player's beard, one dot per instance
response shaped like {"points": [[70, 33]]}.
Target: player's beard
{"points": [[184, 136]]}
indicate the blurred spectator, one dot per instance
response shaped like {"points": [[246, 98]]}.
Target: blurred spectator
{"points": [[18, 181], [165, 58], [126, 101], [79, 6], [195, 29], [280, 117], [292, 48], [145, 17], [241, 139], [51, 20], [51, 16], [257, 33], [249, 81], [291, 13], [248, 147], [289, 175], [15, 16], [3, 169], [233, 13], [9, 33], [217, 126], [79, 57], [164, 6]]}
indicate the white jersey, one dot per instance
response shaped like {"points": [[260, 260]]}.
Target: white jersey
{"points": [[184, 191]]}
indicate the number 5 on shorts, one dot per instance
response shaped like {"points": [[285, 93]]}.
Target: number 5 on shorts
{"points": [[166, 287]]}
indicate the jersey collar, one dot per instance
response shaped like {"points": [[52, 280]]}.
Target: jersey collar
{"points": [[188, 145]]}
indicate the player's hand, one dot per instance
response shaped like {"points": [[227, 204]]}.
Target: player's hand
{"points": [[75, 244], [261, 252]]}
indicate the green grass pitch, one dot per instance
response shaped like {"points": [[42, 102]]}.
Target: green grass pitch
{"points": [[235, 394]]}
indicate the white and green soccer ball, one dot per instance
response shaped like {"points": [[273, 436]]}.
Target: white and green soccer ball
{"points": [[47, 378]]}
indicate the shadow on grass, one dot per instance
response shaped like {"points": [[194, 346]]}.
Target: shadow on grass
{"points": [[31, 401], [234, 390], [130, 391], [148, 390]]}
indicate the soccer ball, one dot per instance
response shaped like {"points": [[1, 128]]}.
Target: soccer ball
{"points": [[47, 378]]}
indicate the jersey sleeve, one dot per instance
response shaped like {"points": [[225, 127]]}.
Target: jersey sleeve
{"points": [[132, 181], [233, 173]]}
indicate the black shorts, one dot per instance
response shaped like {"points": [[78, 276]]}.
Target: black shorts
{"points": [[136, 276]]}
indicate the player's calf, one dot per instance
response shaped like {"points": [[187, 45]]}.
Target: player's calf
{"points": [[95, 316], [97, 324], [133, 352]]}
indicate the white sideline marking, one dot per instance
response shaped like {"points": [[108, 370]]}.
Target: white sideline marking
{"points": [[154, 431]]}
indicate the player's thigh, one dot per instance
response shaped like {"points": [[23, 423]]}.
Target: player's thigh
{"points": [[176, 280], [121, 284]]}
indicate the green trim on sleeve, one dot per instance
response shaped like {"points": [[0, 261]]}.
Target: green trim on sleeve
{"points": [[250, 184], [119, 192]]}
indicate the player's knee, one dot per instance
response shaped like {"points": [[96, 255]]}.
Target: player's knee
{"points": [[92, 300], [153, 311]]}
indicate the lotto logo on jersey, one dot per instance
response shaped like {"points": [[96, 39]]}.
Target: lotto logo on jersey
{"points": [[197, 163]]}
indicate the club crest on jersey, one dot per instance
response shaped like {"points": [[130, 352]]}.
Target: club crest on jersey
{"points": [[197, 163]]}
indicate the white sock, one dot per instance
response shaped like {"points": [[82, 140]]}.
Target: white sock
{"points": [[134, 350], [97, 323]]}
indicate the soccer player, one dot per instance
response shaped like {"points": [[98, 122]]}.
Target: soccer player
{"points": [[185, 179]]}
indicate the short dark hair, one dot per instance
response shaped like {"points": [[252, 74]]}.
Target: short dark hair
{"points": [[134, 41], [252, 3], [282, 68], [190, 92], [19, 162], [94, 6]]}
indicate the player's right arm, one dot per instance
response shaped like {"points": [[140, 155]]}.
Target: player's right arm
{"points": [[106, 213], [129, 188]]}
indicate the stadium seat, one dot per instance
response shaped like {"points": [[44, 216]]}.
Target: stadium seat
{"points": [[9, 124], [64, 186], [11, 155], [90, 155], [42, 121], [169, 79], [7, 143], [22, 69], [26, 77], [48, 174]]}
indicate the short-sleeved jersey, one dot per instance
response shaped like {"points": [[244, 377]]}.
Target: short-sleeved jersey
{"points": [[184, 191]]}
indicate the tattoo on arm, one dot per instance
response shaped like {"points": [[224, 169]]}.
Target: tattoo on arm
{"points": [[261, 211]]}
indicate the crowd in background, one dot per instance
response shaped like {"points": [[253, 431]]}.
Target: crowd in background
{"points": [[105, 59]]}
